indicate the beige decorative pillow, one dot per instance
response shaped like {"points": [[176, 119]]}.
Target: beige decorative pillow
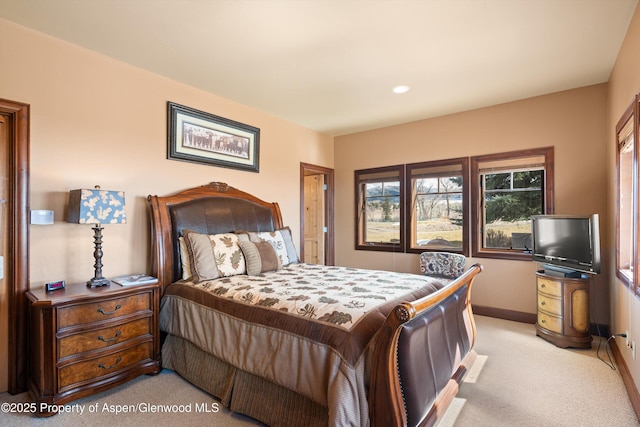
{"points": [[201, 254], [260, 257], [185, 260], [227, 254]]}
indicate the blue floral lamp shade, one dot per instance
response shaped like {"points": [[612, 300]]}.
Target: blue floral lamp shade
{"points": [[96, 207]]}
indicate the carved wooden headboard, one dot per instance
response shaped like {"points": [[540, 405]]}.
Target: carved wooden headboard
{"points": [[208, 209]]}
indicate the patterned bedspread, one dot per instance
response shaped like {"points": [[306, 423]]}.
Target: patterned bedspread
{"points": [[305, 327], [351, 303], [336, 295]]}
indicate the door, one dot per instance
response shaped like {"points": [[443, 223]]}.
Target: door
{"points": [[14, 245], [4, 289], [316, 214], [314, 219]]}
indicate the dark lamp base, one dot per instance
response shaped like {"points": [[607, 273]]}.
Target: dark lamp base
{"points": [[94, 283]]}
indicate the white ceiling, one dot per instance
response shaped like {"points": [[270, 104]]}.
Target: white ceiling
{"points": [[330, 65]]}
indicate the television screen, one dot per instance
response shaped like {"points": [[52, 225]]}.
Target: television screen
{"points": [[570, 242]]}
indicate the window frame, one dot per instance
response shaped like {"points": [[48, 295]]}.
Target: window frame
{"points": [[631, 113], [360, 220], [477, 210], [463, 162]]}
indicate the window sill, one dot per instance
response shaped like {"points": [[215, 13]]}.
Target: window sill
{"points": [[496, 254], [626, 277], [379, 247]]}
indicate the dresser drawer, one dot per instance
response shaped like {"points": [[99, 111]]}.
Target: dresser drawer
{"points": [[551, 323], [76, 373], [550, 305], [104, 337], [86, 340], [103, 310], [549, 287]]}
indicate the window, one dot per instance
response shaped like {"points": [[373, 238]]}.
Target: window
{"points": [[379, 208], [437, 206], [505, 189], [626, 206], [509, 188]]}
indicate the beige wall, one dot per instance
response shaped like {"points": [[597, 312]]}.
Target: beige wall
{"points": [[573, 122], [95, 120], [624, 83]]}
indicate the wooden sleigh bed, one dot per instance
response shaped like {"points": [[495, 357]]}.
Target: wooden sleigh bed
{"points": [[295, 344]]}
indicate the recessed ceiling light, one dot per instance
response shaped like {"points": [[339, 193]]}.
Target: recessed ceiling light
{"points": [[401, 89]]}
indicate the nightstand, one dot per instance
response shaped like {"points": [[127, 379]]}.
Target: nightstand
{"points": [[86, 340], [563, 310]]}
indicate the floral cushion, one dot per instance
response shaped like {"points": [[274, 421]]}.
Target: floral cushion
{"points": [[228, 255], [281, 241], [442, 264]]}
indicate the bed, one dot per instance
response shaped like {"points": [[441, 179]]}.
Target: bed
{"points": [[290, 343]]}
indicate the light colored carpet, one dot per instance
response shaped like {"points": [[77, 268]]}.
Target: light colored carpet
{"points": [[161, 400], [527, 381], [518, 380]]}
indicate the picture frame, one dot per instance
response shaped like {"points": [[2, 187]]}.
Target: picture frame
{"points": [[199, 137]]}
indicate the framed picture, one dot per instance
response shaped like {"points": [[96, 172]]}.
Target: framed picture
{"points": [[199, 137]]}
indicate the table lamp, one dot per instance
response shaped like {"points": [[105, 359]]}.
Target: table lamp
{"points": [[96, 207]]}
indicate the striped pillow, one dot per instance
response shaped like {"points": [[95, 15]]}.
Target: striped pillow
{"points": [[260, 257]]}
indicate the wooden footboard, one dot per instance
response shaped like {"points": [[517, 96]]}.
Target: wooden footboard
{"points": [[421, 355]]}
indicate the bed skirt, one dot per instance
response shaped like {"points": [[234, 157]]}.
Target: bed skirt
{"points": [[241, 391]]}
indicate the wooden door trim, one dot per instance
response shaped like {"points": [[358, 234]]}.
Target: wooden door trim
{"points": [[17, 272], [305, 169]]}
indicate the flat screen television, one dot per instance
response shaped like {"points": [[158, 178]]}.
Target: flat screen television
{"points": [[567, 242]]}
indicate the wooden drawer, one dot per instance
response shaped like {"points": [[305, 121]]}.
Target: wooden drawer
{"points": [[551, 323], [76, 373], [550, 305], [101, 338], [563, 310], [103, 310], [549, 287], [85, 340]]}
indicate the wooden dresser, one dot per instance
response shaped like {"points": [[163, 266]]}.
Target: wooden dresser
{"points": [[563, 310], [83, 340]]}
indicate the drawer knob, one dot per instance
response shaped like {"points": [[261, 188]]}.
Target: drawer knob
{"points": [[542, 303], [542, 286], [107, 313], [101, 338], [543, 321], [118, 360]]}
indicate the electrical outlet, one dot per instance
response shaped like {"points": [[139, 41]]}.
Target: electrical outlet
{"points": [[633, 350]]}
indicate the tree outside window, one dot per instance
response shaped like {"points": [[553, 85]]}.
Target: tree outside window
{"points": [[509, 188], [379, 207], [510, 199], [382, 207], [437, 205], [505, 190]]}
